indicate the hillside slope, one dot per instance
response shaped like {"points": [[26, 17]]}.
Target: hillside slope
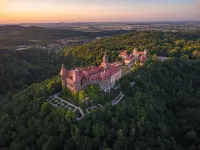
{"points": [[20, 69], [13, 35], [161, 112], [164, 44]]}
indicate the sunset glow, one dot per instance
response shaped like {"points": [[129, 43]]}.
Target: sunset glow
{"points": [[18, 11]]}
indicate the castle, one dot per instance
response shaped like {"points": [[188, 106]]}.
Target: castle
{"points": [[136, 55], [104, 76]]}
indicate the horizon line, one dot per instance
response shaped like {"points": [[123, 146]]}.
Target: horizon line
{"points": [[100, 22]]}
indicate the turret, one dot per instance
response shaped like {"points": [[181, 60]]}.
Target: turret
{"points": [[105, 64], [76, 80], [145, 52], [134, 51], [63, 74], [105, 57], [76, 77]]}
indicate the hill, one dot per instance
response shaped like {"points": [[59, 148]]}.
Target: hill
{"points": [[161, 43], [16, 35], [34, 63], [160, 112], [20, 69]]}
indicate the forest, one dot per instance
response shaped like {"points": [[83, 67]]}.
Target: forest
{"points": [[161, 43], [160, 112], [19, 35], [19, 69]]}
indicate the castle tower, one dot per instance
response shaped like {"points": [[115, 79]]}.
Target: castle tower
{"points": [[145, 52], [105, 57], [105, 64], [76, 80], [63, 74], [134, 51]]}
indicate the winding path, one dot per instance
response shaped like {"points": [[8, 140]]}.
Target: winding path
{"points": [[118, 99], [93, 107]]}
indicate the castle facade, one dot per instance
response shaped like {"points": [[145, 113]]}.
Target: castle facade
{"points": [[104, 76]]}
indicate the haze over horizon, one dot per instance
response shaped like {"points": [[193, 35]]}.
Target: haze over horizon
{"points": [[47, 11]]}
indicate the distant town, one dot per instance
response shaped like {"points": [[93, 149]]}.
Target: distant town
{"points": [[164, 26], [92, 28]]}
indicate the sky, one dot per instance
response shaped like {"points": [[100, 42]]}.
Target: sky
{"points": [[40, 11]]}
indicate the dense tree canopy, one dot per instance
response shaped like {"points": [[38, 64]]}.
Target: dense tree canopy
{"points": [[22, 68], [160, 43], [18, 69], [161, 111]]}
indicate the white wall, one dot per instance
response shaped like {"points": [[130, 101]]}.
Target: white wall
{"points": [[116, 76]]}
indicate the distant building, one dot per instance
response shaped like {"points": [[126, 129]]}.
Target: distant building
{"points": [[123, 54], [142, 56], [129, 59], [104, 76], [128, 28], [136, 55]]}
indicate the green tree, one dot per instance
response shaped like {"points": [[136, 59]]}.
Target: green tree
{"points": [[125, 86], [82, 95], [70, 116]]}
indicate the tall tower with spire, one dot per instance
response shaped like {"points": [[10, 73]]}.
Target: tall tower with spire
{"points": [[145, 52], [105, 64], [63, 74], [105, 57]]}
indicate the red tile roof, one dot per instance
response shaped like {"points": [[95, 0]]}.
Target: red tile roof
{"points": [[94, 73], [123, 53], [130, 57], [143, 58], [139, 53]]}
